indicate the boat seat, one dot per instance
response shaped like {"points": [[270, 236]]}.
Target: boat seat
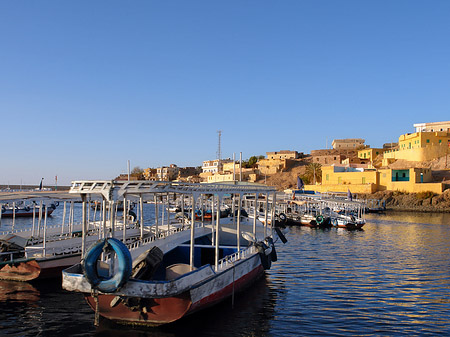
{"points": [[176, 270]]}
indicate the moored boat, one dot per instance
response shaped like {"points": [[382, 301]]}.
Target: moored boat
{"points": [[183, 268], [22, 210]]}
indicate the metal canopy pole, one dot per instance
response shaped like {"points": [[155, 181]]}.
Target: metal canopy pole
{"points": [[64, 217], [83, 225], [254, 219], [112, 217], [191, 262], [104, 217], [40, 219], [156, 215], [45, 233], [141, 204], [274, 203], [14, 215], [239, 226], [34, 219], [217, 234], [266, 215], [212, 221], [125, 218]]}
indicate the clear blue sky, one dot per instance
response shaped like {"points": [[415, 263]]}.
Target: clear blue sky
{"points": [[87, 85]]}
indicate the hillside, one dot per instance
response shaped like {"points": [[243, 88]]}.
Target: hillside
{"points": [[288, 178]]}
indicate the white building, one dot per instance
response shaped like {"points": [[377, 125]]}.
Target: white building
{"points": [[432, 127]]}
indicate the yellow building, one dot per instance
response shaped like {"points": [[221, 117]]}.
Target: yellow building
{"points": [[420, 146], [370, 153], [358, 180]]}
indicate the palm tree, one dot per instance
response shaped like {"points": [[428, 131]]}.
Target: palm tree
{"points": [[314, 172]]}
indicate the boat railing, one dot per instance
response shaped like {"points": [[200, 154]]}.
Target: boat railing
{"points": [[22, 230], [229, 260], [157, 236], [10, 254]]}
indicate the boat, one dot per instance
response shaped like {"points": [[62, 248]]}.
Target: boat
{"points": [[347, 221], [43, 252], [22, 210], [183, 268]]}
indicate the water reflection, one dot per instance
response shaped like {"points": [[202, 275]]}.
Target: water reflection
{"points": [[11, 291], [251, 315], [392, 279]]}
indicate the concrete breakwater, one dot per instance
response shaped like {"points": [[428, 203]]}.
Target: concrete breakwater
{"points": [[420, 202]]}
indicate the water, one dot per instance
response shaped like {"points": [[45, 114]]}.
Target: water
{"points": [[391, 279]]}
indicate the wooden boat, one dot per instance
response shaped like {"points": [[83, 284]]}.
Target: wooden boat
{"points": [[180, 270]]}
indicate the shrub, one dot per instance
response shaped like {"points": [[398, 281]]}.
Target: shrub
{"points": [[424, 195]]}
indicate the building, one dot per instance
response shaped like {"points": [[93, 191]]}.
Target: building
{"points": [[283, 154], [349, 143], [370, 153], [369, 180], [150, 174], [214, 166], [248, 174], [432, 127], [328, 159], [167, 173], [185, 172], [271, 166], [419, 146]]}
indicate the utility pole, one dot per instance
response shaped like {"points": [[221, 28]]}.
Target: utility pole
{"points": [[219, 151]]}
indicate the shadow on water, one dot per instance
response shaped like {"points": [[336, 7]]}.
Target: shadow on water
{"points": [[251, 316]]}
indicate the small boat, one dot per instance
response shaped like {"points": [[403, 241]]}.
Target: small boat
{"points": [[183, 268], [21, 210], [347, 221]]}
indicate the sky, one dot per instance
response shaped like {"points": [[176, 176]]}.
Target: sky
{"points": [[86, 86]]}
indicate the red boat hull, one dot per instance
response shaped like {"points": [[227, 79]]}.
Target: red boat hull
{"points": [[158, 311]]}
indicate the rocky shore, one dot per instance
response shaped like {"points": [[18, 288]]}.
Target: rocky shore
{"points": [[419, 202]]}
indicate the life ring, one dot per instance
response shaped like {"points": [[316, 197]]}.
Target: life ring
{"points": [[282, 217], [319, 219], [115, 282]]}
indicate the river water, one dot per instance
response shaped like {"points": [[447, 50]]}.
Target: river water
{"points": [[390, 279]]}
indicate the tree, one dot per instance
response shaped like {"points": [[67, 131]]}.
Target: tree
{"points": [[314, 172], [252, 161], [139, 172]]}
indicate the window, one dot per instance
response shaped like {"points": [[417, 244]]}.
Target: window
{"points": [[327, 177], [363, 180], [440, 141], [428, 140]]}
